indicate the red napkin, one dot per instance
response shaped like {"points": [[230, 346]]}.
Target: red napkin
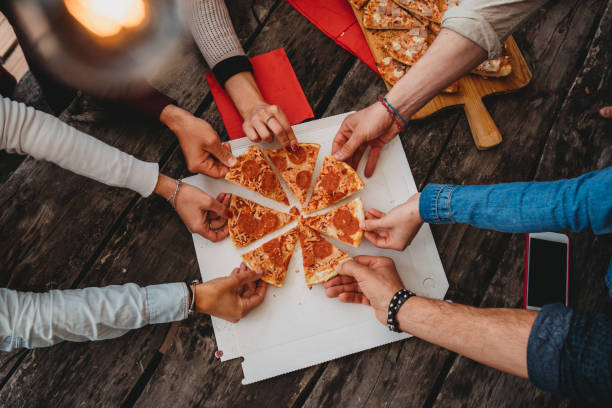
{"points": [[278, 85], [337, 20]]}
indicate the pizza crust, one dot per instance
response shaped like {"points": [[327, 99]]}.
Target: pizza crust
{"points": [[327, 223]]}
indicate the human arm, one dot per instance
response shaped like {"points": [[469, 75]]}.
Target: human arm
{"points": [[31, 320], [214, 34], [470, 33], [557, 349]]}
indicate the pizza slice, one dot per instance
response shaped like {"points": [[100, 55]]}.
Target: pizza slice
{"points": [[296, 168], [336, 181], [272, 258], [496, 68], [250, 221], [452, 88], [386, 15], [320, 258], [391, 70], [408, 47], [427, 9], [358, 3], [341, 223], [255, 173], [446, 4]]}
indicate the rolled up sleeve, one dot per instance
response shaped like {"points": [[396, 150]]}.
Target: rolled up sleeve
{"points": [[489, 22]]}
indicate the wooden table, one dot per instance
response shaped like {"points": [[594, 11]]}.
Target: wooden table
{"points": [[59, 230]]}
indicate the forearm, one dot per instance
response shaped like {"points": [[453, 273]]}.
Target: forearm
{"points": [[244, 92], [572, 204], [449, 58], [25, 130], [33, 320], [495, 337]]}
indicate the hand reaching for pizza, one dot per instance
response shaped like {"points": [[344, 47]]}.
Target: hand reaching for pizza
{"points": [[203, 150], [264, 122], [369, 280], [201, 213], [233, 297], [397, 228], [371, 126]]}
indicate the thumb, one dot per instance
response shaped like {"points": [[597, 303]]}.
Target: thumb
{"points": [[217, 207], [222, 153], [348, 148], [353, 269], [246, 274], [374, 224]]}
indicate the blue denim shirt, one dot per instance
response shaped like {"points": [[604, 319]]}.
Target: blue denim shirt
{"points": [[42, 319], [567, 353]]}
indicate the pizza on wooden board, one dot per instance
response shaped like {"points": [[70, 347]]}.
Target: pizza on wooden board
{"points": [[496, 68], [255, 173], [358, 3], [250, 221], [386, 15], [321, 259], [427, 9], [407, 47], [336, 181], [341, 223], [391, 70], [272, 258], [296, 168]]}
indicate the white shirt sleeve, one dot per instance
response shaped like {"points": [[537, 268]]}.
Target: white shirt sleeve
{"points": [[25, 130]]}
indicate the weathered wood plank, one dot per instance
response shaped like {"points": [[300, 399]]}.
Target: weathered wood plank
{"points": [[471, 256], [579, 142]]}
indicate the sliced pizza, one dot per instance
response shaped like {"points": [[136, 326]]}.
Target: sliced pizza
{"points": [[452, 88], [336, 181], [341, 223], [386, 15], [320, 258], [255, 173], [358, 3], [422, 8], [250, 221], [446, 4], [296, 168], [272, 258], [391, 70], [407, 47], [496, 68]]}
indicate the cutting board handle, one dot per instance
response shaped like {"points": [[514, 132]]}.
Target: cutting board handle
{"points": [[484, 131]]}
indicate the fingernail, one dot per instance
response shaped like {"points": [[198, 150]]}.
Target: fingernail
{"points": [[232, 161], [362, 225], [295, 148], [338, 156], [288, 148], [230, 214]]}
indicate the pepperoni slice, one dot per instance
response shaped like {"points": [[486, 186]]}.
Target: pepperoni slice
{"points": [[247, 223], [269, 182], [345, 222], [308, 258], [322, 249], [250, 169], [280, 162], [330, 182], [270, 221], [302, 179], [298, 157], [270, 246]]}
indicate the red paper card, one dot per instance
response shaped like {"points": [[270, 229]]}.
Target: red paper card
{"points": [[337, 20], [278, 85]]}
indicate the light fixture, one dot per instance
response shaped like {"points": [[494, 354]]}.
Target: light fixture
{"points": [[104, 47]]}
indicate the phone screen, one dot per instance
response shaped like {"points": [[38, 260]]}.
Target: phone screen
{"points": [[547, 272]]}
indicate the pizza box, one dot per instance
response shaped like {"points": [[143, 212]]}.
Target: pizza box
{"points": [[296, 327]]}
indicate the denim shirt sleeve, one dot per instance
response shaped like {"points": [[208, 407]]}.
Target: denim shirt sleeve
{"points": [[33, 320], [572, 204], [571, 355]]}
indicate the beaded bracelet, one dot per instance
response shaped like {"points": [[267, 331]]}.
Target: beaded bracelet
{"points": [[396, 303]]}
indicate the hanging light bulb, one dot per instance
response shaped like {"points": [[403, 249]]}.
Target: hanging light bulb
{"points": [[104, 47]]}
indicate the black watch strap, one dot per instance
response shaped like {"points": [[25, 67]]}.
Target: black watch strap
{"points": [[395, 304]]}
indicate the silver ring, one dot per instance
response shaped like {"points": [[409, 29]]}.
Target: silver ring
{"points": [[268, 118]]}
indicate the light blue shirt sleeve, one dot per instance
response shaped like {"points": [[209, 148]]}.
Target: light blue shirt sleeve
{"points": [[33, 320]]}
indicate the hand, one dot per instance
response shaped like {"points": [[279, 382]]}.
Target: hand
{"points": [[606, 112], [372, 126], [264, 122], [369, 280], [397, 228], [201, 145], [233, 297], [201, 213]]}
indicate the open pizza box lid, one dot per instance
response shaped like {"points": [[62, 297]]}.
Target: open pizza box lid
{"points": [[296, 327]]}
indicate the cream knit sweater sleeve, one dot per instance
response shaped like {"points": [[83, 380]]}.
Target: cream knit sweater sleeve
{"points": [[212, 30]]}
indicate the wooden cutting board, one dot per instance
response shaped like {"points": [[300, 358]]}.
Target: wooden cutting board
{"points": [[472, 88]]}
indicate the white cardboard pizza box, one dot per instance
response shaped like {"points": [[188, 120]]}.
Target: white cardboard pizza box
{"points": [[296, 327]]}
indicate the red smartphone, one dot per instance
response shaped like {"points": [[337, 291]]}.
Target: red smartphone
{"points": [[546, 270]]}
